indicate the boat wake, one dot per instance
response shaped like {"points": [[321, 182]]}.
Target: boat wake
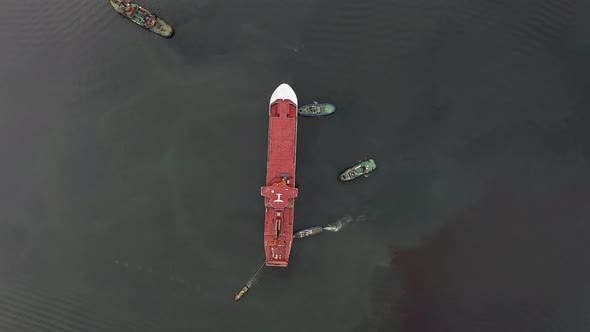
{"points": [[340, 223]]}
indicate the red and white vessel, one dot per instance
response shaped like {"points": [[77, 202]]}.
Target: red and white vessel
{"points": [[280, 192]]}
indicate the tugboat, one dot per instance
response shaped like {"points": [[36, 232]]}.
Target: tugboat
{"points": [[363, 168], [316, 109], [142, 17], [241, 293], [308, 232]]}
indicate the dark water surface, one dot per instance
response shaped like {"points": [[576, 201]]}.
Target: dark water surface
{"points": [[132, 164]]}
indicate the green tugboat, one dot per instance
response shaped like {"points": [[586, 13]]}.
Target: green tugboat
{"points": [[316, 109], [363, 168], [142, 17]]}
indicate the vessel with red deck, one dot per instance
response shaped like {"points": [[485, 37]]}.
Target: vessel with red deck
{"points": [[280, 192]]}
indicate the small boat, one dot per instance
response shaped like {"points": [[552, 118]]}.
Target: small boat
{"points": [[316, 109], [241, 293], [364, 167], [307, 232], [142, 17]]}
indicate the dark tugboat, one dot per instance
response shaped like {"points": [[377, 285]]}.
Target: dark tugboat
{"points": [[310, 231], [142, 17]]}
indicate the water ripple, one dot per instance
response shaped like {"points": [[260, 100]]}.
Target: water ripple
{"points": [[27, 306]]}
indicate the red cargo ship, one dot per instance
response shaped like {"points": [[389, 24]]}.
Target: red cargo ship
{"points": [[280, 192]]}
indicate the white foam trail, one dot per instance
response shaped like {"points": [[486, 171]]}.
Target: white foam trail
{"points": [[338, 224]]}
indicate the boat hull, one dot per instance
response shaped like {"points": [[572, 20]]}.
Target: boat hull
{"points": [[363, 168], [320, 109], [280, 192], [140, 16]]}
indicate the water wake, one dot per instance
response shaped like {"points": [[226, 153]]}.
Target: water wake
{"points": [[253, 279], [338, 224]]}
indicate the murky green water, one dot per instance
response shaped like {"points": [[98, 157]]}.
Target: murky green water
{"points": [[132, 164]]}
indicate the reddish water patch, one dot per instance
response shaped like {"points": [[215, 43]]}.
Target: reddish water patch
{"points": [[515, 261]]}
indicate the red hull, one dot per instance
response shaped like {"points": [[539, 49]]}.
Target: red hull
{"points": [[280, 192]]}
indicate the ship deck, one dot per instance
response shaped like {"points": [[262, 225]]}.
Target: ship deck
{"points": [[280, 191]]}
